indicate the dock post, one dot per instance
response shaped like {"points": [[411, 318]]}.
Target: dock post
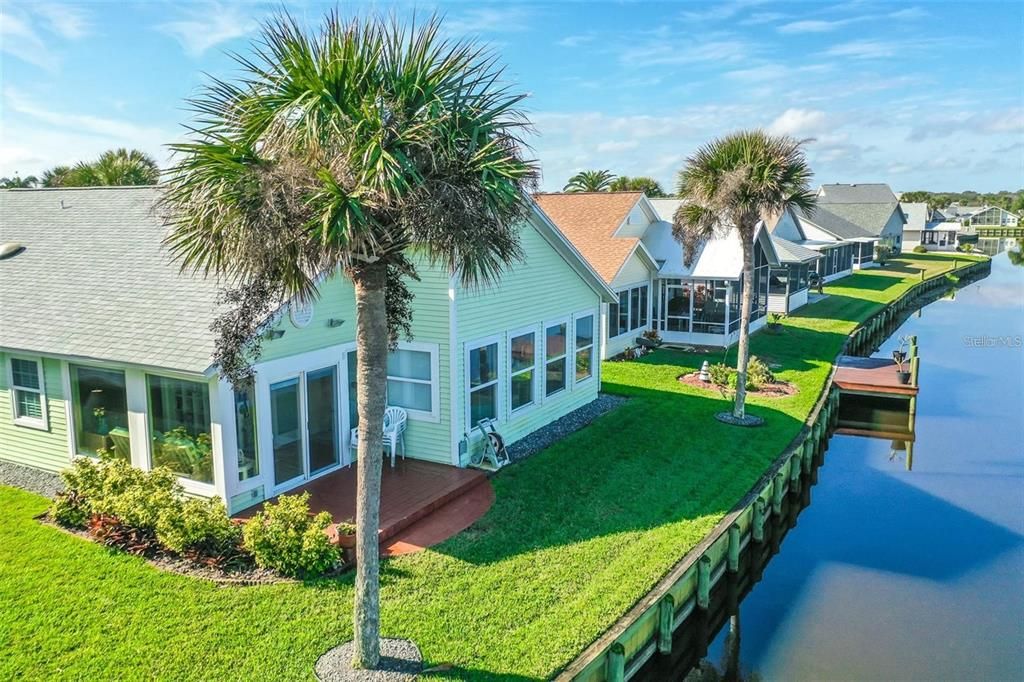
{"points": [[734, 548], [704, 582], [616, 663], [910, 455], [777, 492], [666, 619], [807, 456], [757, 525], [915, 367], [794, 474]]}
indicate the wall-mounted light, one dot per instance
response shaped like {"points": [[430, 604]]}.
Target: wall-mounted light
{"points": [[275, 334], [335, 322]]}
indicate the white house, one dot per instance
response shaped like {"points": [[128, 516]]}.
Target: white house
{"points": [[873, 207], [928, 227], [842, 245], [627, 238]]}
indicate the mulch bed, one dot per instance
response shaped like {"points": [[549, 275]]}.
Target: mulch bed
{"points": [[780, 389], [174, 563]]}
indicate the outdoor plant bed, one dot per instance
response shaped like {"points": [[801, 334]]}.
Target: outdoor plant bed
{"points": [[779, 389], [244, 572], [400, 660]]}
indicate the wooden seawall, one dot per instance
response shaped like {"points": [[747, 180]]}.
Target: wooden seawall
{"points": [[647, 629]]}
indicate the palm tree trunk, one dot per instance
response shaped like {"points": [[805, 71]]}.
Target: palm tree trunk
{"points": [[743, 352], [371, 370]]}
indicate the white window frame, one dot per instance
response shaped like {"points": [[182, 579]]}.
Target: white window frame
{"points": [[628, 290], [567, 352], [537, 348], [69, 366], [434, 415], [498, 392], [43, 421], [189, 484], [594, 335]]}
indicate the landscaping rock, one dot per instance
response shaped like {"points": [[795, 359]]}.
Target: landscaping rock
{"points": [[31, 479], [400, 660], [560, 428], [748, 420]]}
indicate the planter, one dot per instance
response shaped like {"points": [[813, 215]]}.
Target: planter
{"points": [[904, 377], [348, 547]]}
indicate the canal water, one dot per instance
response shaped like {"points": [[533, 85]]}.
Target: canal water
{"points": [[909, 570]]}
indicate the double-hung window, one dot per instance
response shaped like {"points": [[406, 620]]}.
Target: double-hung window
{"points": [[555, 349], [483, 382], [630, 313], [523, 369], [584, 326], [28, 396], [410, 382]]}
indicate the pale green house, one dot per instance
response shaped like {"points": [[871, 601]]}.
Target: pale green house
{"points": [[103, 344]]}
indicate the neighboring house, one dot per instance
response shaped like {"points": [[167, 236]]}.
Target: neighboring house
{"points": [[872, 207], [105, 345], [843, 246], [987, 216], [788, 284], [928, 227], [628, 239]]}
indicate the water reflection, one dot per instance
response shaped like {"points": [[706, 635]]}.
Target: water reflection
{"points": [[911, 564]]}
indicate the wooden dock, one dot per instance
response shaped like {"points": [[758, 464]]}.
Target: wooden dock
{"points": [[871, 376]]}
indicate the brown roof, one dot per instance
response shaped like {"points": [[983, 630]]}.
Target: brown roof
{"points": [[588, 220]]}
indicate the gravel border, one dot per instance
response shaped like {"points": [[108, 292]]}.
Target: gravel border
{"points": [[28, 478], [748, 420], [400, 660], [563, 426]]}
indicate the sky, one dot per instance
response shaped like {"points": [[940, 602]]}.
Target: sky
{"points": [[923, 95]]}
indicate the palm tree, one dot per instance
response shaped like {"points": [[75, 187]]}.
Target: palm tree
{"points": [[349, 149], [18, 182], [731, 183], [116, 167], [649, 186], [590, 181]]}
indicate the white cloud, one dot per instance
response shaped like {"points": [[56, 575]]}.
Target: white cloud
{"points": [[800, 123], [866, 49], [488, 19], [205, 26], [679, 52], [817, 25], [617, 146], [27, 31], [576, 40], [1000, 122], [36, 137]]}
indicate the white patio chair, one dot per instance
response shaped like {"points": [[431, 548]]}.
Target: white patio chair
{"points": [[395, 421]]}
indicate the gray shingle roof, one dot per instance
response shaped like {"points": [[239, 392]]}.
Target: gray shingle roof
{"points": [[834, 224], [861, 193], [95, 282], [916, 214], [789, 252]]}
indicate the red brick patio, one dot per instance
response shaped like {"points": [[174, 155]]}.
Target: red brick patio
{"points": [[422, 503]]}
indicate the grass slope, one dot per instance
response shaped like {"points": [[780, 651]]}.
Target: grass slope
{"points": [[578, 533]]}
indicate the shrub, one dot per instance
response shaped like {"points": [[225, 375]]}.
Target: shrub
{"points": [[286, 538], [882, 253], [758, 373], [920, 248], [138, 498], [965, 248], [721, 374], [200, 525], [112, 532]]}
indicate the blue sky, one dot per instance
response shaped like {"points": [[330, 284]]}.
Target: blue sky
{"points": [[926, 95]]}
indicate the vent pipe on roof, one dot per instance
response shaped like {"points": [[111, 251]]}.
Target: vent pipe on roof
{"points": [[10, 250]]}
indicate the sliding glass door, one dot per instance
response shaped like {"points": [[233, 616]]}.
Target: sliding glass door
{"points": [[322, 421], [304, 425], [286, 421]]}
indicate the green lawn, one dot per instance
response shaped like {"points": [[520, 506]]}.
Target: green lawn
{"points": [[578, 533]]}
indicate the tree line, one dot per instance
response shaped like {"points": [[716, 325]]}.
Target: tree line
{"points": [[115, 167], [1010, 201], [606, 181]]}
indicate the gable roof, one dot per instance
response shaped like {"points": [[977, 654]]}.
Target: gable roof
{"points": [[789, 252], [858, 193], [721, 257], [916, 214], [94, 280], [836, 225], [868, 206], [589, 220]]}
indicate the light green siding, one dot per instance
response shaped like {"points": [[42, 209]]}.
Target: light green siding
{"points": [[29, 446], [430, 440], [545, 288]]}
